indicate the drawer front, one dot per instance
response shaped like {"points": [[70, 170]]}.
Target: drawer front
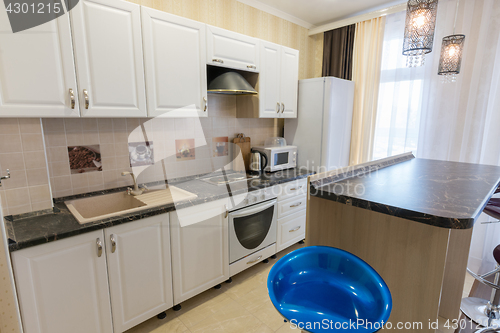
{"points": [[253, 259], [291, 229], [291, 189], [292, 205]]}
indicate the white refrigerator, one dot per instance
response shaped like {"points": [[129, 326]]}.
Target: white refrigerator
{"points": [[322, 129]]}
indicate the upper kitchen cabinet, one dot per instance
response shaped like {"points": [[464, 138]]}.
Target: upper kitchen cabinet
{"points": [[278, 85], [37, 73], [233, 50], [175, 63], [109, 60], [289, 84]]}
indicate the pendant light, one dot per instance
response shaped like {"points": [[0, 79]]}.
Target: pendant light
{"points": [[419, 30], [450, 60]]}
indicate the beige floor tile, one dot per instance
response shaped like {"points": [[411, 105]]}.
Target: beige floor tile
{"points": [[199, 308], [171, 324], [269, 316]]}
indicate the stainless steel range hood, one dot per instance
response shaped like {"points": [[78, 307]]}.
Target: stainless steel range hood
{"points": [[231, 83]]}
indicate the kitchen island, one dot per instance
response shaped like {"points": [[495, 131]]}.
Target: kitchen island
{"points": [[411, 220]]}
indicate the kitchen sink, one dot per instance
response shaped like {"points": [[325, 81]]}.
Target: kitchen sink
{"points": [[91, 209]]}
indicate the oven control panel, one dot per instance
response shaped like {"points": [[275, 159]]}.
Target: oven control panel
{"points": [[254, 197]]}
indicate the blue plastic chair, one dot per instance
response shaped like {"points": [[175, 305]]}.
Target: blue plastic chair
{"points": [[324, 289]]}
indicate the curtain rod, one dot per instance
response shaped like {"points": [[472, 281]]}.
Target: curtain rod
{"points": [[357, 19]]}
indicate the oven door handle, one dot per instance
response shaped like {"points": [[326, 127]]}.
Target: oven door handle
{"points": [[254, 209]]}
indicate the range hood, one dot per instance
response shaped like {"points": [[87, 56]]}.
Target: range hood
{"points": [[230, 83]]}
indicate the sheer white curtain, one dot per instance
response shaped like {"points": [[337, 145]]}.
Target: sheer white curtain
{"points": [[461, 121], [400, 95]]}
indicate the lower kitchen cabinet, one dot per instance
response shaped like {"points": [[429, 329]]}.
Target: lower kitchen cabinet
{"points": [[72, 284], [62, 286], [140, 277], [200, 248]]}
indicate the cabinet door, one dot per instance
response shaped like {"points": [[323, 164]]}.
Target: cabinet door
{"points": [[140, 277], [109, 60], [62, 286], [289, 81], [175, 63], [230, 49], [37, 70], [200, 252], [269, 80]]}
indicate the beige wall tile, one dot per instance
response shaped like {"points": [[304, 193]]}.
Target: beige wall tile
{"points": [[17, 197], [35, 160], [55, 139], [61, 183], [37, 177], [12, 161], [32, 142], [79, 180], [30, 125], [9, 126], [39, 193], [73, 125], [53, 125], [17, 179], [20, 209], [57, 154], [10, 143], [95, 179], [89, 124], [59, 169], [41, 205]]}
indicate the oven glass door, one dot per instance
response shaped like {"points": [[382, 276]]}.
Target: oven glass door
{"points": [[252, 229]]}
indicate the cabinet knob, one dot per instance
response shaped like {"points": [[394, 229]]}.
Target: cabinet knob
{"points": [[206, 104], [72, 99], [220, 61], [252, 66], [282, 107], [113, 243], [277, 107], [99, 247], [86, 96]]}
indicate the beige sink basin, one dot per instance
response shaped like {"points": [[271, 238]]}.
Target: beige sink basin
{"points": [[91, 209]]}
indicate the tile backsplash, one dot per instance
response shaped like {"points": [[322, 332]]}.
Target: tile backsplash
{"points": [[22, 151], [38, 160]]}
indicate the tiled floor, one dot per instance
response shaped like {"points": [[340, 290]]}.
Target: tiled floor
{"points": [[240, 307]]}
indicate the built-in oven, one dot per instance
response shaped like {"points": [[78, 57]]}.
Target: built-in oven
{"points": [[252, 228]]}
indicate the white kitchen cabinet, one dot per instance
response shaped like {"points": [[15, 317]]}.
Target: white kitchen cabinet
{"points": [[200, 248], [291, 229], [140, 276], [37, 72], [289, 82], [109, 59], [270, 80], [175, 65], [62, 286], [278, 81], [233, 50]]}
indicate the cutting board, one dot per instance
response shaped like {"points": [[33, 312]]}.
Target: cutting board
{"points": [[241, 143]]}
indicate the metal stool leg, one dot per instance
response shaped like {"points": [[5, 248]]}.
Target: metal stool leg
{"points": [[481, 311]]}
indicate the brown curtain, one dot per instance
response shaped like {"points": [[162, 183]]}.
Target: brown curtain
{"points": [[337, 52]]}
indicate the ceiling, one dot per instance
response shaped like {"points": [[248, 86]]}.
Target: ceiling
{"points": [[319, 12]]}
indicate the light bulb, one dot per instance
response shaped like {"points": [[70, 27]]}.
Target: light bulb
{"points": [[452, 50]]}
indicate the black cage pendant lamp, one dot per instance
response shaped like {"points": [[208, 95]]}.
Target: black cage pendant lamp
{"points": [[419, 30], [450, 60]]}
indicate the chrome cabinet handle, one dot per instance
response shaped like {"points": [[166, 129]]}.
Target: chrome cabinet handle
{"points": [[72, 98], [282, 107], [294, 229], [206, 104], [86, 96], [252, 66], [296, 205], [99, 247], [254, 261], [220, 61], [113, 243], [296, 188], [5, 177], [278, 107], [227, 211]]}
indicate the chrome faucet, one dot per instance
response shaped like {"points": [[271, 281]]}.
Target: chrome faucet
{"points": [[136, 190]]}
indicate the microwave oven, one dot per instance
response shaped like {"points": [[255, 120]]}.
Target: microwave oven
{"points": [[279, 158]]}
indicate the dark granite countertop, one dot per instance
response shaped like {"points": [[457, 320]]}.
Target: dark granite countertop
{"points": [[42, 227], [439, 193]]}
